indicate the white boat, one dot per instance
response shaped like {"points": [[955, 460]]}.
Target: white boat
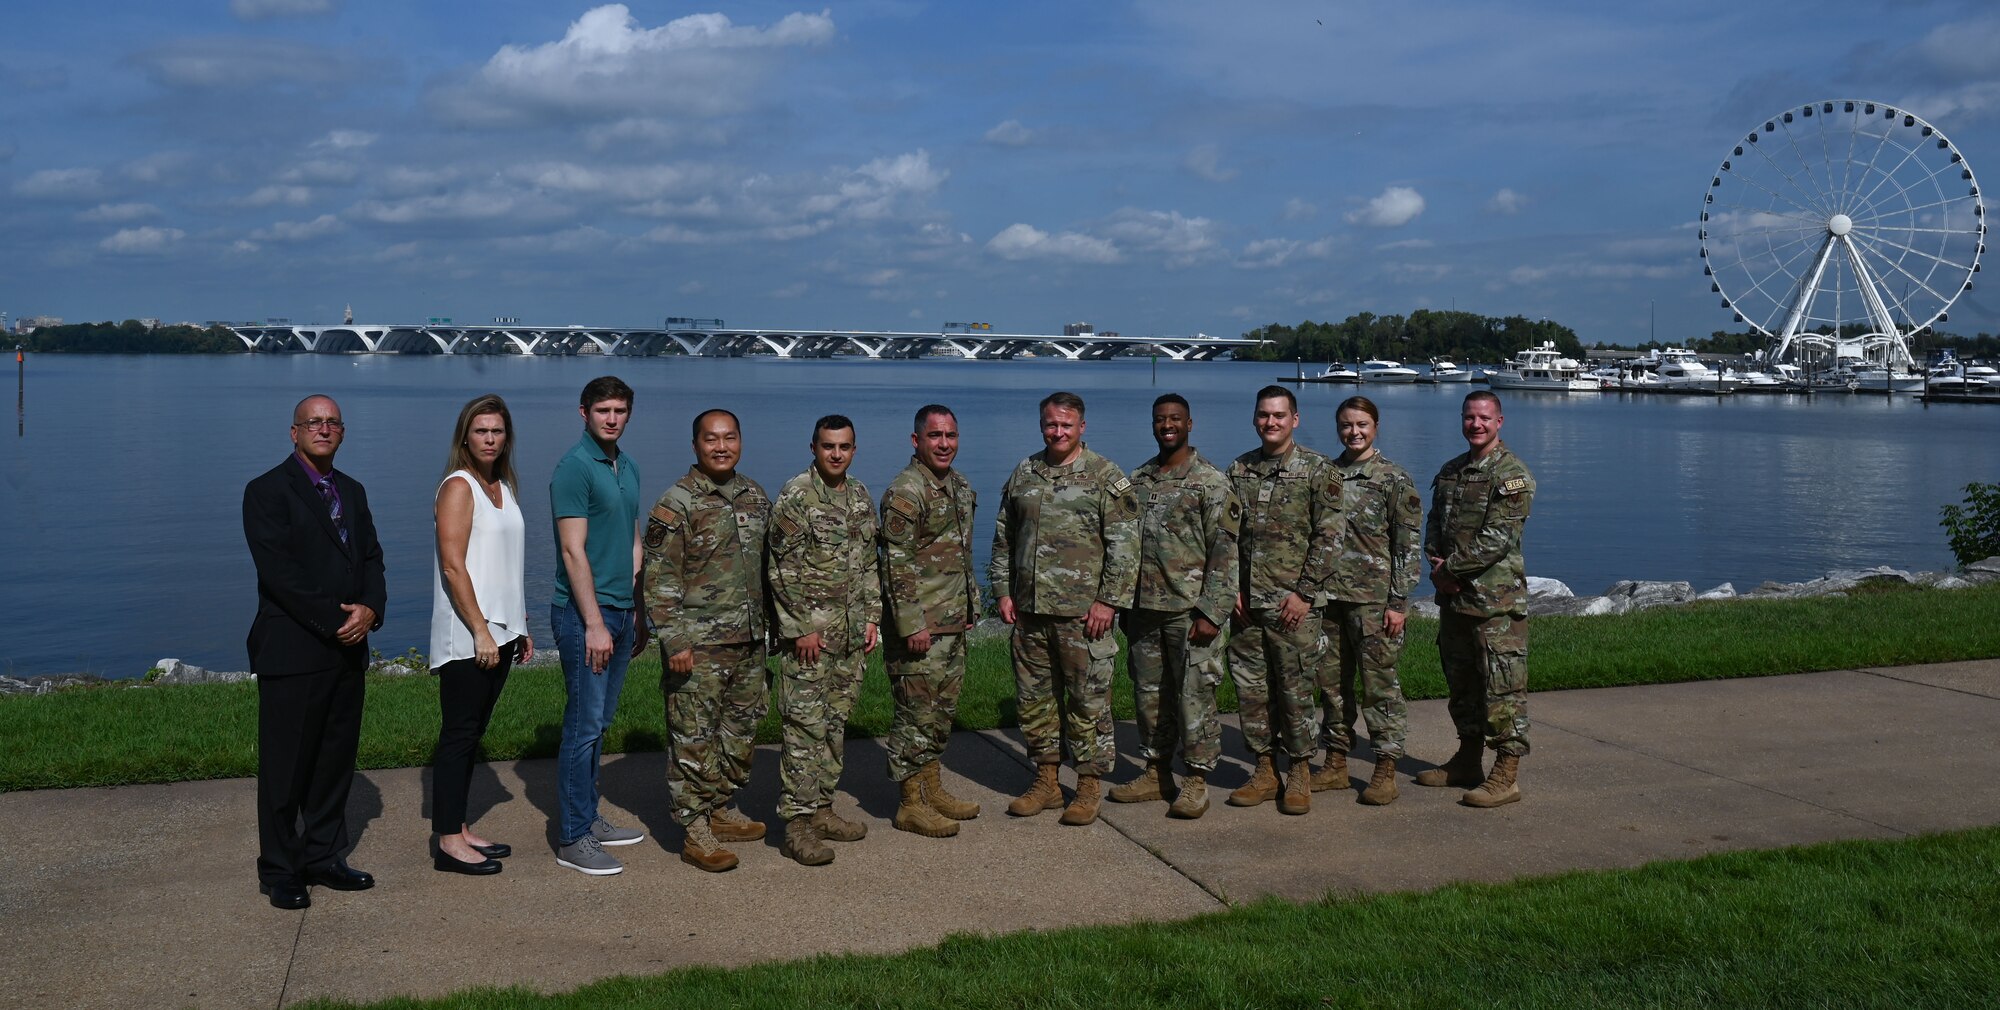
{"points": [[1446, 370], [1985, 373], [1543, 368], [1949, 376], [1386, 371], [1755, 381], [1875, 379], [1680, 371], [1336, 373]]}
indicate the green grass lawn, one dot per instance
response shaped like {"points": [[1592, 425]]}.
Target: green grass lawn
{"points": [[117, 734], [1912, 923]]}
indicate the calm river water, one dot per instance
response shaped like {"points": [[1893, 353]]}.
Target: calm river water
{"points": [[120, 518]]}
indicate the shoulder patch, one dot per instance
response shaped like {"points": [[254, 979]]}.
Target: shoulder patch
{"points": [[1121, 486], [902, 505], [1514, 486], [666, 516], [787, 523]]}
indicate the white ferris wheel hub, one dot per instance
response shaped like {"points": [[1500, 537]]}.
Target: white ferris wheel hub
{"points": [[1840, 224]]}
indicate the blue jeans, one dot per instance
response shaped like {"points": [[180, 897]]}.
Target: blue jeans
{"points": [[591, 701]]}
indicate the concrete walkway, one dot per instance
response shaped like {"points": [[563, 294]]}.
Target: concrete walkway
{"points": [[145, 896]]}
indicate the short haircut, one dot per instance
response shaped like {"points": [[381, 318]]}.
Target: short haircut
{"points": [[602, 388], [714, 410], [831, 422], [299, 408], [1165, 398], [1480, 394], [1067, 401], [460, 457], [926, 412], [1273, 392], [1360, 403]]}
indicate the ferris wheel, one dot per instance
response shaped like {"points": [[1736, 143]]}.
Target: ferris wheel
{"points": [[1842, 227]]}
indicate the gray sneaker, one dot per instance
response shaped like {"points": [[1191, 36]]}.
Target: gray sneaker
{"points": [[585, 855], [608, 833]]}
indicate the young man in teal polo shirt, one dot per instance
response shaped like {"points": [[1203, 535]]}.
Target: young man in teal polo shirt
{"points": [[594, 497]]}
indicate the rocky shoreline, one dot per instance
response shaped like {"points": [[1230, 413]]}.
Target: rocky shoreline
{"points": [[1546, 597]]}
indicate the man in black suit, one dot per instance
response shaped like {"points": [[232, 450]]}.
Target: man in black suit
{"points": [[319, 593]]}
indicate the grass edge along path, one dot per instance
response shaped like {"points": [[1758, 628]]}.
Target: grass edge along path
{"points": [[118, 735], [1909, 922]]}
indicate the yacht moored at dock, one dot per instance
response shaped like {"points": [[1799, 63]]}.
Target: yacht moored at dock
{"points": [[1543, 368], [1386, 371]]}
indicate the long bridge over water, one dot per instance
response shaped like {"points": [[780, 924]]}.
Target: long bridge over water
{"points": [[713, 342]]}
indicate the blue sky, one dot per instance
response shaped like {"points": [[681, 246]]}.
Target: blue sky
{"points": [[1153, 167]]}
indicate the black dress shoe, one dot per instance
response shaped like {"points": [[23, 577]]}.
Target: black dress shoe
{"points": [[290, 897], [340, 877], [498, 850], [448, 863]]}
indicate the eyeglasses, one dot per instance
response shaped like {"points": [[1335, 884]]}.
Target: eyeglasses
{"points": [[322, 424]]}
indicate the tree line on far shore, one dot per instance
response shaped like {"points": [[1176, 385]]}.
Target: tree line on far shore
{"points": [[1469, 337], [129, 337]]}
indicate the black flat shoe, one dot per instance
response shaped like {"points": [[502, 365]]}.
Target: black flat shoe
{"points": [[290, 897], [498, 850], [340, 877], [445, 862]]}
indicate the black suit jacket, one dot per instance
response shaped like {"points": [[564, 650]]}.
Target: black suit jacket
{"points": [[304, 572]]}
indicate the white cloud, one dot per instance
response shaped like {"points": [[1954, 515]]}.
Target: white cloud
{"points": [[1507, 202], [1183, 240], [477, 205], [1266, 253], [141, 241], [119, 213], [1299, 210], [1010, 134], [608, 67], [692, 287], [62, 184], [1025, 241], [266, 196], [1392, 208], [298, 231], [1407, 243], [344, 140], [226, 63], [261, 10], [1205, 162]]}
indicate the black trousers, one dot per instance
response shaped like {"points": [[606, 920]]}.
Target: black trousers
{"points": [[466, 695], [308, 728]]}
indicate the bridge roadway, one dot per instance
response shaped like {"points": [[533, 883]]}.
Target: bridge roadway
{"points": [[358, 338]]}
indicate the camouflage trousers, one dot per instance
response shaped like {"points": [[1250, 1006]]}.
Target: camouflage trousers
{"points": [[1062, 685], [1359, 671], [814, 703], [926, 688], [1485, 663], [1275, 673], [712, 716], [1173, 688]]}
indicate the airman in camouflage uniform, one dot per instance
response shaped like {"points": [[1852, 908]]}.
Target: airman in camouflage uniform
{"points": [[1187, 588], [933, 601], [1479, 505], [826, 602], [1065, 561], [1381, 561], [1290, 539], [705, 597]]}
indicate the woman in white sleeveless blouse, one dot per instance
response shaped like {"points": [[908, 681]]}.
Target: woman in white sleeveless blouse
{"points": [[479, 619]]}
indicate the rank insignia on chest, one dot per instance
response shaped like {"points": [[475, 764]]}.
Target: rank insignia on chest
{"points": [[1264, 493], [742, 520]]}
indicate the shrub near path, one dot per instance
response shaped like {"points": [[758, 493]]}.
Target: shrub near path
{"points": [[118, 734]]}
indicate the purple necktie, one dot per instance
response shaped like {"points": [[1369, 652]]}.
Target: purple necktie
{"points": [[332, 496]]}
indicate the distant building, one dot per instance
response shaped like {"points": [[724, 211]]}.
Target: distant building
{"points": [[30, 324], [1078, 329], [150, 324]]}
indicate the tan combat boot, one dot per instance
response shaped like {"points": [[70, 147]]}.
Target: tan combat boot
{"points": [[942, 801], [1083, 809], [1381, 789], [703, 852], [1501, 786], [1462, 771], [802, 842], [1045, 794], [1263, 785], [1298, 795], [1332, 775], [835, 828], [1193, 800], [731, 826], [1154, 784], [916, 816]]}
